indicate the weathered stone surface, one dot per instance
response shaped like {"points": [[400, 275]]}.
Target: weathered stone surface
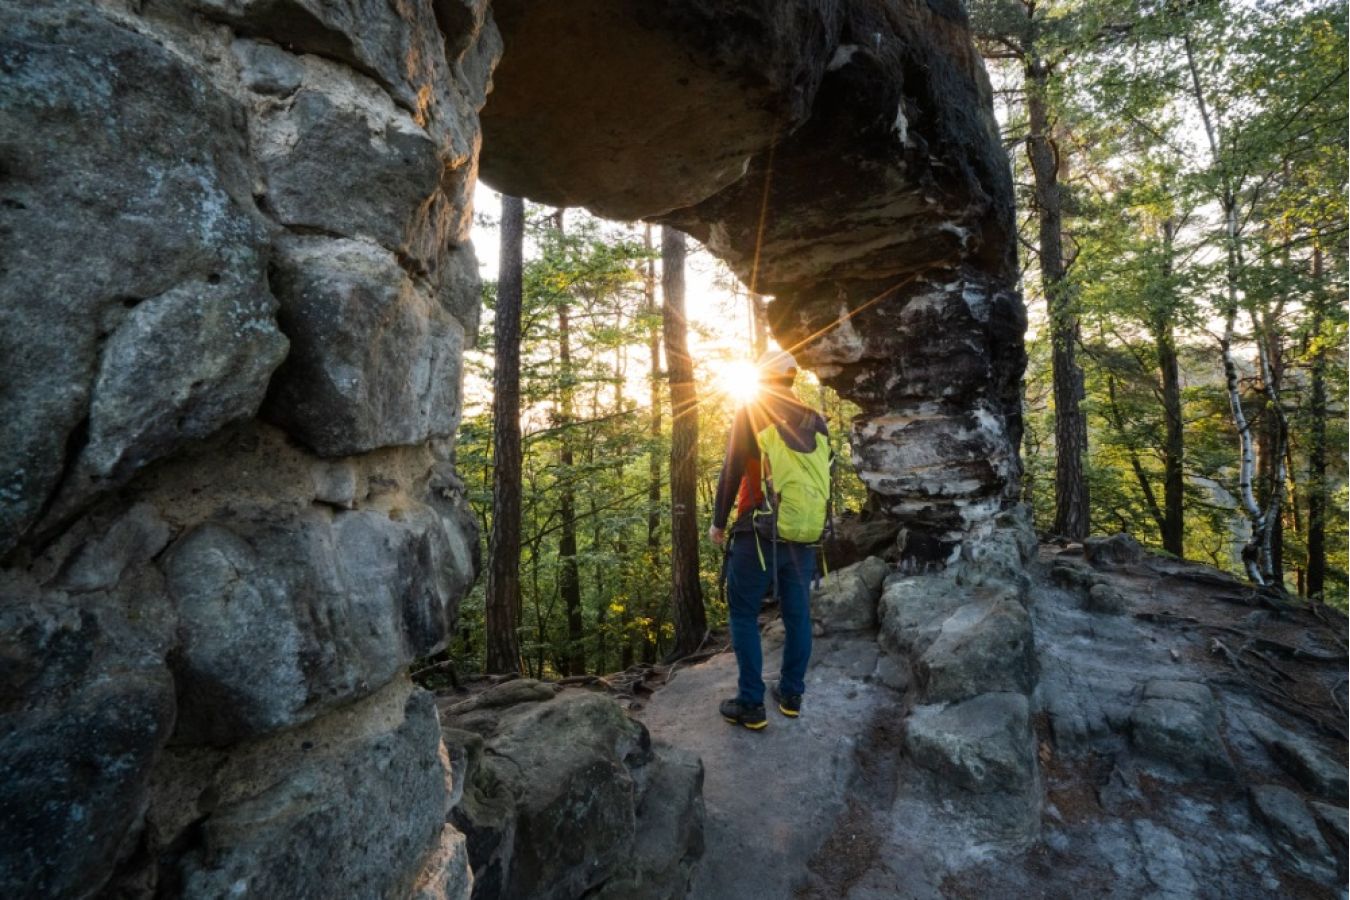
{"points": [[892, 671], [566, 796], [914, 608], [1116, 550], [348, 805], [1177, 723], [433, 59], [131, 540], [127, 213], [335, 483], [1293, 830], [342, 160], [855, 539], [980, 648], [375, 360], [446, 874], [330, 607], [669, 815], [1073, 575], [1337, 820], [520, 690], [847, 599], [1000, 556], [1301, 758], [1164, 858], [982, 744], [88, 703], [1103, 598]]}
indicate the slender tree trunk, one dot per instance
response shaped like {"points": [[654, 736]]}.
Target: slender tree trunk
{"points": [[569, 579], [602, 605], [1174, 445], [1256, 553], [1271, 443], [686, 589], [502, 610], [1072, 506], [1317, 443], [654, 434], [654, 424]]}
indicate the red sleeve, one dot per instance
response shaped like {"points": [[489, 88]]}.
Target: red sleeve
{"points": [[741, 448]]}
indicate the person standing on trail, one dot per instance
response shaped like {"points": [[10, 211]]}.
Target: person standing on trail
{"points": [[776, 474]]}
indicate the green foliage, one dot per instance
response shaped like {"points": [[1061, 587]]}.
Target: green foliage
{"points": [[1149, 249], [595, 270]]}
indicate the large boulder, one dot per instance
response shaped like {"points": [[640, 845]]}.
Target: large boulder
{"points": [[982, 745], [328, 607], [375, 358], [566, 797], [846, 600], [353, 804], [979, 648], [89, 703], [1116, 550]]}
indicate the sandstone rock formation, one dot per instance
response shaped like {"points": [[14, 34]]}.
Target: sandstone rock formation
{"points": [[568, 797], [895, 283], [235, 286], [1111, 754]]}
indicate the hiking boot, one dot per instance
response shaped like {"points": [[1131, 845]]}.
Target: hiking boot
{"points": [[789, 705], [738, 713]]}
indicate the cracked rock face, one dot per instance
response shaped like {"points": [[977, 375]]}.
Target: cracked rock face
{"points": [[211, 211], [235, 289], [567, 797], [841, 157]]}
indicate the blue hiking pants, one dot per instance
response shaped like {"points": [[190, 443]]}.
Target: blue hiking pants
{"points": [[748, 582]]}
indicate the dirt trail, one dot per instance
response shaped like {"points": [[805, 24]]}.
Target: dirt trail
{"points": [[772, 797]]}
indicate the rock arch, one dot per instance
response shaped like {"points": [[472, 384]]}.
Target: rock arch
{"points": [[841, 157], [235, 232]]}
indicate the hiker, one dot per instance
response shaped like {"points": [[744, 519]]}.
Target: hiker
{"points": [[777, 475]]}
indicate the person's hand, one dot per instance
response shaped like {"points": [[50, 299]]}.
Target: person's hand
{"points": [[717, 535]]}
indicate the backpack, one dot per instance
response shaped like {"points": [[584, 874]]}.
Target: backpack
{"points": [[796, 488]]}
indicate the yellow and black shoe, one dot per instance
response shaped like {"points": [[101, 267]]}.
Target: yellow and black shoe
{"points": [[789, 705], [738, 713]]}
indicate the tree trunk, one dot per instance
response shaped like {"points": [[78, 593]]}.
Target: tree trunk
{"points": [[1271, 441], [502, 605], [654, 425], [686, 589], [654, 433], [569, 579], [1072, 508], [1256, 554], [1174, 447], [1317, 443]]}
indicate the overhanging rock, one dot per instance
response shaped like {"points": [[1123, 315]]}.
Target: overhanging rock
{"points": [[840, 156]]}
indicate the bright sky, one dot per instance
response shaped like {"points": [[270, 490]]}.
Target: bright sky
{"points": [[720, 325], [711, 309]]}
